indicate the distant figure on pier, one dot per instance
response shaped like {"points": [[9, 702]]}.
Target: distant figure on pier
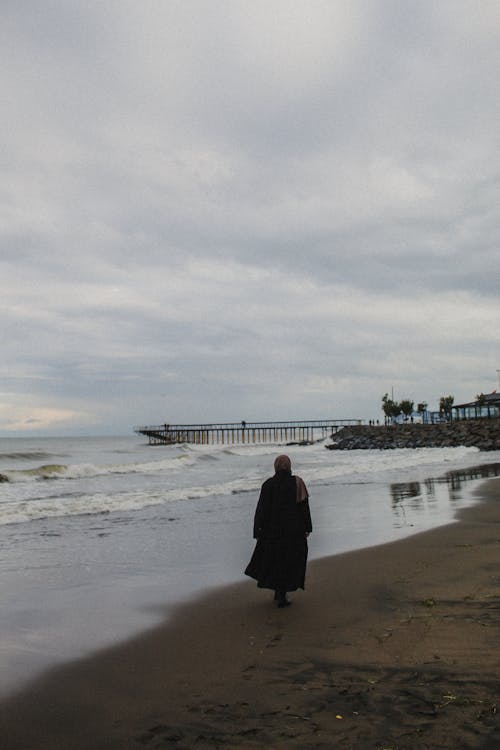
{"points": [[281, 526]]}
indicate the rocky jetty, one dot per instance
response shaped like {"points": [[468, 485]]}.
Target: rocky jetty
{"points": [[479, 433]]}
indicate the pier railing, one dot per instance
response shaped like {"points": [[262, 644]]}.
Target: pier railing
{"points": [[231, 433]]}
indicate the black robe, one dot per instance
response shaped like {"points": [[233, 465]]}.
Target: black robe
{"points": [[280, 527]]}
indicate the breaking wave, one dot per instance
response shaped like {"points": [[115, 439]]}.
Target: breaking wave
{"points": [[186, 473]]}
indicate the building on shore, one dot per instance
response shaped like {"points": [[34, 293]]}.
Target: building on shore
{"points": [[485, 406]]}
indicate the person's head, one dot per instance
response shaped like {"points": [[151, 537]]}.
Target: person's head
{"points": [[283, 463]]}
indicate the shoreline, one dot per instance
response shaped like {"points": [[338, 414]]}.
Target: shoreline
{"points": [[389, 646]]}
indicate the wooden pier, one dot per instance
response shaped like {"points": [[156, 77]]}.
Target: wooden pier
{"points": [[242, 433]]}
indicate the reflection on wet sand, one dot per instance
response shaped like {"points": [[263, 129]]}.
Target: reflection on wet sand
{"points": [[426, 491]]}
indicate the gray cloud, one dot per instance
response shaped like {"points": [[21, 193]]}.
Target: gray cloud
{"points": [[233, 210]]}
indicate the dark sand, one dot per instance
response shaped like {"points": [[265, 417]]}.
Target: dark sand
{"points": [[391, 647]]}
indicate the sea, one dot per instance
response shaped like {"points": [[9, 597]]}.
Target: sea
{"points": [[102, 537]]}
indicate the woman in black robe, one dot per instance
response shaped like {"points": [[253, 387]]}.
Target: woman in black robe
{"points": [[281, 526]]}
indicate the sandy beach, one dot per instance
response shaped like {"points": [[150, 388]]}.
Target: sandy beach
{"points": [[391, 647]]}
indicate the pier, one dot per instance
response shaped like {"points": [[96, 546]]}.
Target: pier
{"points": [[242, 433]]}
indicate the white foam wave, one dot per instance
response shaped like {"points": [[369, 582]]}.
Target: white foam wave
{"points": [[183, 457], [315, 465], [351, 466], [82, 471], [370, 463], [46, 471], [58, 507], [61, 506]]}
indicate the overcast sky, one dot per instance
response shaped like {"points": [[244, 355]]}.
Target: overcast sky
{"points": [[245, 209]]}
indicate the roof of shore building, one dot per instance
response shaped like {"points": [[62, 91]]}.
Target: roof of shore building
{"points": [[491, 399]]}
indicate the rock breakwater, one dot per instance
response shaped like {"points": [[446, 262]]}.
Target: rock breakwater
{"points": [[481, 433]]}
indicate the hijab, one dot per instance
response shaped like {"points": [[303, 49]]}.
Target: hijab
{"points": [[283, 463]]}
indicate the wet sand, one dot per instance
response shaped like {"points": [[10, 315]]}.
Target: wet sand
{"points": [[394, 647]]}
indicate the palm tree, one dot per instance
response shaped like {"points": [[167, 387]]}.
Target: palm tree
{"points": [[445, 404], [406, 407], [390, 408]]}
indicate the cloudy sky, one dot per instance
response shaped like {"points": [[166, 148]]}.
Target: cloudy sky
{"points": [[245, 209]]}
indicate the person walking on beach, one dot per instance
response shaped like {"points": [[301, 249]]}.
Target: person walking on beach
{"points": [[282, 524]]}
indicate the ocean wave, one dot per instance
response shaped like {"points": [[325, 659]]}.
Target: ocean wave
{"points": [[86, 471], [46, 471], [343, 464], [372, 463], [58, 506], [64, 506], [25, 456], [345, 467]]}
